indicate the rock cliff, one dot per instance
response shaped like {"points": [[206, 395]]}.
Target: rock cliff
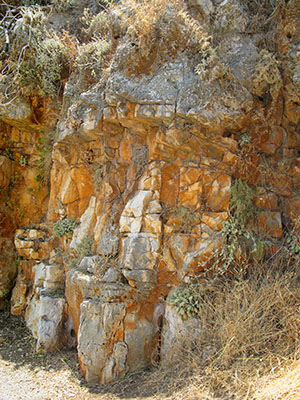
{"points": [[118, 190]]}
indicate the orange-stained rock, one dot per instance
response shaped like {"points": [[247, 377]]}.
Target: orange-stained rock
{"points": [[293, 208], [84, 188], [281, 184], [152, 223], [25, 269], [125, 148], [8, 267], [174, 251], [173, 224], [268, 201], [191, 198], [295, 174], [151, 180], [269, 223], [268, 140], [6, 169], [189, 176], [130, 224], [218, 193], [170, 176], [144, 161], [214, 220], [230, 158], [18, 297]]}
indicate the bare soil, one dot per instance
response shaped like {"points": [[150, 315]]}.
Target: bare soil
{"points": [[28, 375]]}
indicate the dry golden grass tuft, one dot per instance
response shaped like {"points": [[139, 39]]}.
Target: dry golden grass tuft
{"points": [[160, 29], [249, 337], [285, 385]]}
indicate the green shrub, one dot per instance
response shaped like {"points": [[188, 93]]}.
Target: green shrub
{"points": [[96, 26], [84, 248], [185, 300], [241, 202], [5, 294], [267, 76], [240, 242], [37, 56], [95, 51], [293, 243], [159, 30], [64, 227], [91, 58]]}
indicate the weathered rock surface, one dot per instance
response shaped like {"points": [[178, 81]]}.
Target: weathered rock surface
{"points": [[144, 164], [178, 334]]}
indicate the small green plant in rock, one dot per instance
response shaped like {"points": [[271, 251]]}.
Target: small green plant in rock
{"points": [[241, 203], [189, 218], [267, 76], [43, 164], [64, 227], [84, 248], [22, 161], [5, 293], [185, 300], [293, 243], [239, 241], [98, 174]]}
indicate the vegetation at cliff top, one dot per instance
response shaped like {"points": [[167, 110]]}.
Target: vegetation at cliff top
{"points": [[37, 59]]}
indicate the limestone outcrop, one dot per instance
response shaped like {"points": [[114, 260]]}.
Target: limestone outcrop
{"points": [[142, 168]]}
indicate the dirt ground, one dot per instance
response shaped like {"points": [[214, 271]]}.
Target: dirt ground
{"points": [[27, 375]]}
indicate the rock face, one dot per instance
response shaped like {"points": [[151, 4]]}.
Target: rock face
{"points": [[144, 164]]}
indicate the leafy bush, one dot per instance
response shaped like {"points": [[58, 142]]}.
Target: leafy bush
{"points": [[64, 227], [158, 30], [241, 202], [267, 76], [37, 56], [92, 57], [95, 51]]}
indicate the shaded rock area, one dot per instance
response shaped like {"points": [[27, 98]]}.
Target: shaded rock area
{"points": [[143, 164]]}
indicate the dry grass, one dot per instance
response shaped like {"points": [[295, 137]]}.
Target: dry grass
{"points": [[285, 385], [250, 335], [159, 30], [248, 349]]}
